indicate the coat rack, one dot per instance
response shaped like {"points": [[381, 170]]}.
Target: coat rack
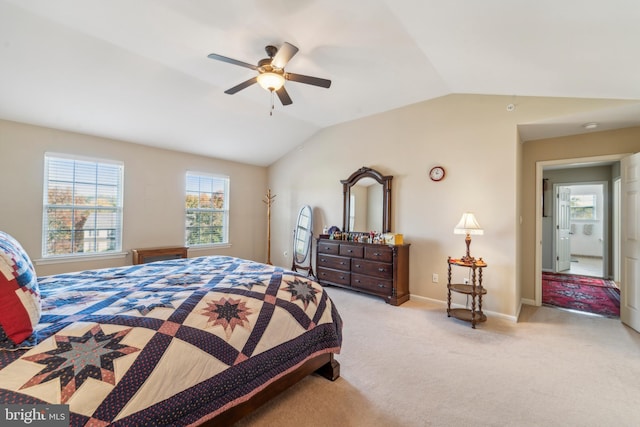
{"points": [[268, 200]]}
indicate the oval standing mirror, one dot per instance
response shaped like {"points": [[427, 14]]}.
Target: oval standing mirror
{"points": [[302, 239], [367, 201]]}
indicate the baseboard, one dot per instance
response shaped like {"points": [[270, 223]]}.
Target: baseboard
{"points": [[525, 301], [489, 313], [421, 298]]}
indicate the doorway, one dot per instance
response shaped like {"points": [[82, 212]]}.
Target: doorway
{"points": [[545, 259], [581, 227]]}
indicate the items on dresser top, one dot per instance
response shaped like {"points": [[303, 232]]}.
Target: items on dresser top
{"points": [[377, 269]]}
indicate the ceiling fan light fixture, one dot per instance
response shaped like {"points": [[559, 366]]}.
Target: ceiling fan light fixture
{"points": [[271, 81]]}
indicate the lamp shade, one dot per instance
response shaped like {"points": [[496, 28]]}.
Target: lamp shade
{"points": [[468, 225], [271, 81]]}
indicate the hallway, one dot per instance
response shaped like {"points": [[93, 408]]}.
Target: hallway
{"points": [[586, 266]]}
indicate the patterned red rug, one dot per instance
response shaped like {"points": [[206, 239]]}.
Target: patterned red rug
{"points": [[583, 293], [581, 280]]}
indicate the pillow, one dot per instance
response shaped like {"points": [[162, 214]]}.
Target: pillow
{"points": [[19, 295]]}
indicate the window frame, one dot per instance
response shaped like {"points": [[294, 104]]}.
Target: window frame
{"points": [[225, 180], [583, 207], [74, 182]]}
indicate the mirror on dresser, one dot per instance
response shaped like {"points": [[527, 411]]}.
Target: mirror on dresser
{"points": [[366, 201], [373, 268]]}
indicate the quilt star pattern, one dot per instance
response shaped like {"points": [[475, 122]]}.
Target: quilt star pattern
{"points": [[77, 358], [168, 343]]}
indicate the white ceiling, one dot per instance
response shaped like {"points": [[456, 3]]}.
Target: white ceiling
{"points": [[138, 70]]}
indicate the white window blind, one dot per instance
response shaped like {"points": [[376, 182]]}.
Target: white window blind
{"points": [[207, 209], [82, 206]]}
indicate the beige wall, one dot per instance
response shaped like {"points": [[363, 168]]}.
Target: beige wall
{"points": [[474, 137], [595, 144], [153, 193]]}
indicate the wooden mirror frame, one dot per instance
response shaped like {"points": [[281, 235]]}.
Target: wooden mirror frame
{"points": [[298, 262], [385, 180]]}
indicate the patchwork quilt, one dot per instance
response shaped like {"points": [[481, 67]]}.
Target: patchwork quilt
{"points": [[168, 343]]}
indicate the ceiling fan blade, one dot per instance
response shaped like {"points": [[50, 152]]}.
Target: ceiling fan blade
{"points": [[231, 61], [284, 55], [241, 86], [284, 96], [315, 81]]}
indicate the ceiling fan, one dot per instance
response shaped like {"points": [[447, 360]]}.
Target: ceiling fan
{"points": [[271, 74]]}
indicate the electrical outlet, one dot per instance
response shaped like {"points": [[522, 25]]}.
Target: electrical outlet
{"points": [[465, 281], [434, 278]]}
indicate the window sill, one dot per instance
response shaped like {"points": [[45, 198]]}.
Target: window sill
{"points": [[79, 258], [209, 247]]}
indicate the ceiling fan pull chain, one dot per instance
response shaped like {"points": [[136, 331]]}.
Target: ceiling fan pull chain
{"points": [[272, 107]]}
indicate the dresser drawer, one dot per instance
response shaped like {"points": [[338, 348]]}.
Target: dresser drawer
{"points": [[382, 270], [372, 284], [335, 276], [352, 251], [328, 248], [336, 262], [378, 253]]}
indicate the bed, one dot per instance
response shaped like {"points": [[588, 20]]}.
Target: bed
{"points": [[196, 341]]}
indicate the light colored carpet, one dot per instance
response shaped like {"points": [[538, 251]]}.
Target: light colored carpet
{"points": [[413, 366]]}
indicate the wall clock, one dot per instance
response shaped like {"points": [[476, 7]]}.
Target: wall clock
{"points": [[436, 173]]}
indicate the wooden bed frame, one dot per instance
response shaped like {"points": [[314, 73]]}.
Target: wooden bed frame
{"points": [[323, 364]]}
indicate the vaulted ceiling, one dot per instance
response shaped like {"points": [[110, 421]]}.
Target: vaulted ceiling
{"points": [[138, 70]]}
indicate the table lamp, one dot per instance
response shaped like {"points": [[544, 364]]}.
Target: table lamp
{"points": [[468, 225]]}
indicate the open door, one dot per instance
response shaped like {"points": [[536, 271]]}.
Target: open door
{"points": [[563, 228], [630, 236]]}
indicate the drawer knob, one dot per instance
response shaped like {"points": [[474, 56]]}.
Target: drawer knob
{"points": [[357, 265], [349, 250], [380, 285], [382, 269], [377, 254], [342, 263]]}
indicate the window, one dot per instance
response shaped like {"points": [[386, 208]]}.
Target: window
{"points": [[207, 209], [583, 206], [82, 206]]}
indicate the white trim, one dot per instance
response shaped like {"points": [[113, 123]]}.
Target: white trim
{"points": [[209, 174], [513, 319], [83, 158], [209, 247], [79, 258], [419, 297]]}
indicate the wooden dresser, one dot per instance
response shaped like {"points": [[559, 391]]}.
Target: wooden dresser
{"points": [[380, 270]]}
